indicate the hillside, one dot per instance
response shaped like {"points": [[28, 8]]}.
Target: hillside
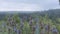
{"points": [[22, 22]]}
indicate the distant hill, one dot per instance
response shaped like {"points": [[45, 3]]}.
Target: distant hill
{"points": [[51, 13], [54, 13]]}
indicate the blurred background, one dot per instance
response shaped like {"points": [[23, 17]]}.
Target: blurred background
{"points": [[29, 16]]}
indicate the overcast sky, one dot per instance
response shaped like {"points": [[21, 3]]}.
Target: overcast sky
{"points": [[28, 5]]}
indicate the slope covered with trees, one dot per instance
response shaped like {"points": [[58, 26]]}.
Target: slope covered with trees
{"points": [[44, 22]]}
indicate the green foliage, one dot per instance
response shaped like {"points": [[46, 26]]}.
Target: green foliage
{"points": [[16, 18], [52, 17], [58, 27]]}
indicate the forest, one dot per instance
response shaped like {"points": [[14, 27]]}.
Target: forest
{"points": [[38, 22]]}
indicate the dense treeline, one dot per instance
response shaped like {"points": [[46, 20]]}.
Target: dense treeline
{"points": [[44, 22]]}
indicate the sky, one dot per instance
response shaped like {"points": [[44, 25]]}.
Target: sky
{"points": [[28, 5]]}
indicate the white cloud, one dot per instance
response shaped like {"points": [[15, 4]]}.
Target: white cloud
{"points": [[27, 6], [50, 4], [11, 6]]}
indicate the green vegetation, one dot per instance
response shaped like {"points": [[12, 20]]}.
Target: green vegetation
{"points": [[45, 22]]}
